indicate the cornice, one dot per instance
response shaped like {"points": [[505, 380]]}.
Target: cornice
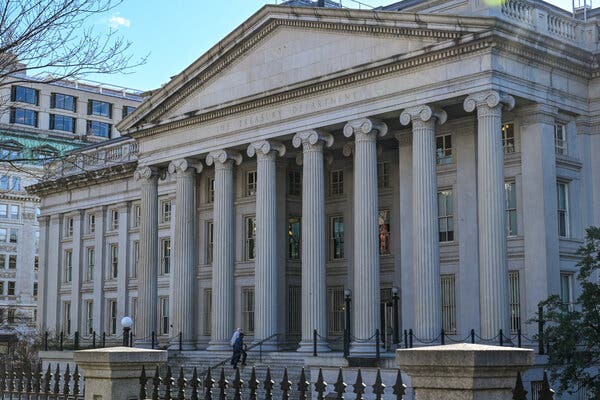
{"points": [[104, 175]]}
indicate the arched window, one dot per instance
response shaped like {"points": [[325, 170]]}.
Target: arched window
{"points": [[10, 150]]}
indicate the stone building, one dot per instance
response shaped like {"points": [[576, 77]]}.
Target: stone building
{"points": [[440, 150], [40, 122]]}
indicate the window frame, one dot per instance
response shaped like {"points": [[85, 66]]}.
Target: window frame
{"points": [[561, 146], [508, 141], [294, 238], [249, 238], [165, 211], [336, 242], [446, 236], [250, 183], [68, 266], [15, 95], [93, 110], [165, 256], [294, 182], [445, 154], [56, 105], [514, 298], [114, 261], [564, 213], [336, 182], [248, 304], [511, 211], [384, 251], [24, 116], [448, 302], [163, 313], [91, 262]]}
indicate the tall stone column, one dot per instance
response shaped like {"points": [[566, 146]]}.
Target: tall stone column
{"points": [[425, 236], [366, 294], [148, 266], [265, 276], [223, 250], [493, 268], [314, 284], [184, 252]]}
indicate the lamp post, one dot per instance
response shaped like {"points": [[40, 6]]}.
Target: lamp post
{"points": [[126, 323], [395, 314]]}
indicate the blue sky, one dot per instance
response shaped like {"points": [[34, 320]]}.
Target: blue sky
{"points": [[174, 34]]}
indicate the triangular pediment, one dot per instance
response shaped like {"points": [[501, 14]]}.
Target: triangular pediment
{"points": [[270, 54]]}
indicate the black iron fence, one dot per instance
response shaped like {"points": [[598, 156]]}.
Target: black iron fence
{"points": [[171, 387], [35, 384]]}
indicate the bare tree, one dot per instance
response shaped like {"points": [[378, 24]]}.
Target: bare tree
{"points": [[54, 36]]}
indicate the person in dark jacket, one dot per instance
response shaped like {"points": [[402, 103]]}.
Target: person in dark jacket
{"points": [[239, 351]]}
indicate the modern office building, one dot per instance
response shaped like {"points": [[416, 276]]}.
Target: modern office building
{"points": [[42, 122], [445, 151]]}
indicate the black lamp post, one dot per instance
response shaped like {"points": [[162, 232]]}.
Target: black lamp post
{"points": [[126, 323], [395, 315], [347, 300]]}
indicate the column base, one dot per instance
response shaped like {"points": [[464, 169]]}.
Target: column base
{"points": [[270, 345], [184, 346], [142, 344], [364, 348], [307, 346], [219, 345]]}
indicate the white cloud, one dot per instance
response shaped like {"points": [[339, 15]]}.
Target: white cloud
{"points": [[116, 21]]}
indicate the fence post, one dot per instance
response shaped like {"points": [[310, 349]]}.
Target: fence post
{"points": [[180, 340], [472, 336], [61, 341], [541, 330], [377, 340], [519, 337], [443, 337], [346, 343], [405, 339], [314, 342], [410, 338], [76, 340], [130, 338], [152, 345], [501, 338], [46, 341], [103, 339], [93, 339]]}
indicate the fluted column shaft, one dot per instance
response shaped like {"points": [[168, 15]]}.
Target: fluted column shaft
{"points": [[428, 304], [314, 283], [265, 268], [493, 268], [366, 293], [148, 268], [223, 252], [184, 246]]}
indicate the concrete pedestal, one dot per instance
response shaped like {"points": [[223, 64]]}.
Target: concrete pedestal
{"points": [[464, 371], [114, 373]]}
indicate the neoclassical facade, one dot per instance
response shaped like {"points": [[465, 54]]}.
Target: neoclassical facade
{"points": [[442, 153]]}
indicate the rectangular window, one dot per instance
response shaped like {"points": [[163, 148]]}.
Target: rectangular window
{"points": [[2, 261], [12, 261], [100, 129], [23, 116], [211, 190], [91, 254], [248, 310], [3, 210], [445, 216], [443, 149], [112, 317], [68, 267], [508, 137], [16, 183], [514, 296], [207, 311], [335, 310], [36, 262], [383, 175], [63, 102], [89, 317], [560, 139], [11, 288], [1, 292], [137, 215], [66, 328], [3, 235], [165, 211], [127, 110], [91, 223], [164, 315], [209, 242], [25, 95], [14, 211], [294, 183], [510, 204], [250, 183], [136, 258], [448, 283], [294, 238], [385, 238], [165, 256], [566, 289], [114, 220], [336, 182], [11, 316], [62, 123], [35, 289], [562, 192], [14, 234], [4, 182], [250, 234], [336, 237], [114, 261], [99, 108], [294, 310], [69, 227]]}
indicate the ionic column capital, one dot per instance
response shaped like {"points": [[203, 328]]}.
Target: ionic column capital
{"points": [[312, 138], [423, 114], [488, 101], [182, 165], [222, 157], [365, 127], [146, 173], [265, 148]]}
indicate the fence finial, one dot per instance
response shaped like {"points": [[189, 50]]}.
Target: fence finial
{"points": [[303, 385], [378, 386], [519, 392], [268, 385], [399, 387], [194, 384], [546, 393], [156, 384], [238, 384], [340, 386], [320, 386], [181, 382], [56, 390], [143, 382], [285, 385], [209, 382], [168, 383], [222, 384], [67, 379], [359, 386], [76, 378], [253, 384]]}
